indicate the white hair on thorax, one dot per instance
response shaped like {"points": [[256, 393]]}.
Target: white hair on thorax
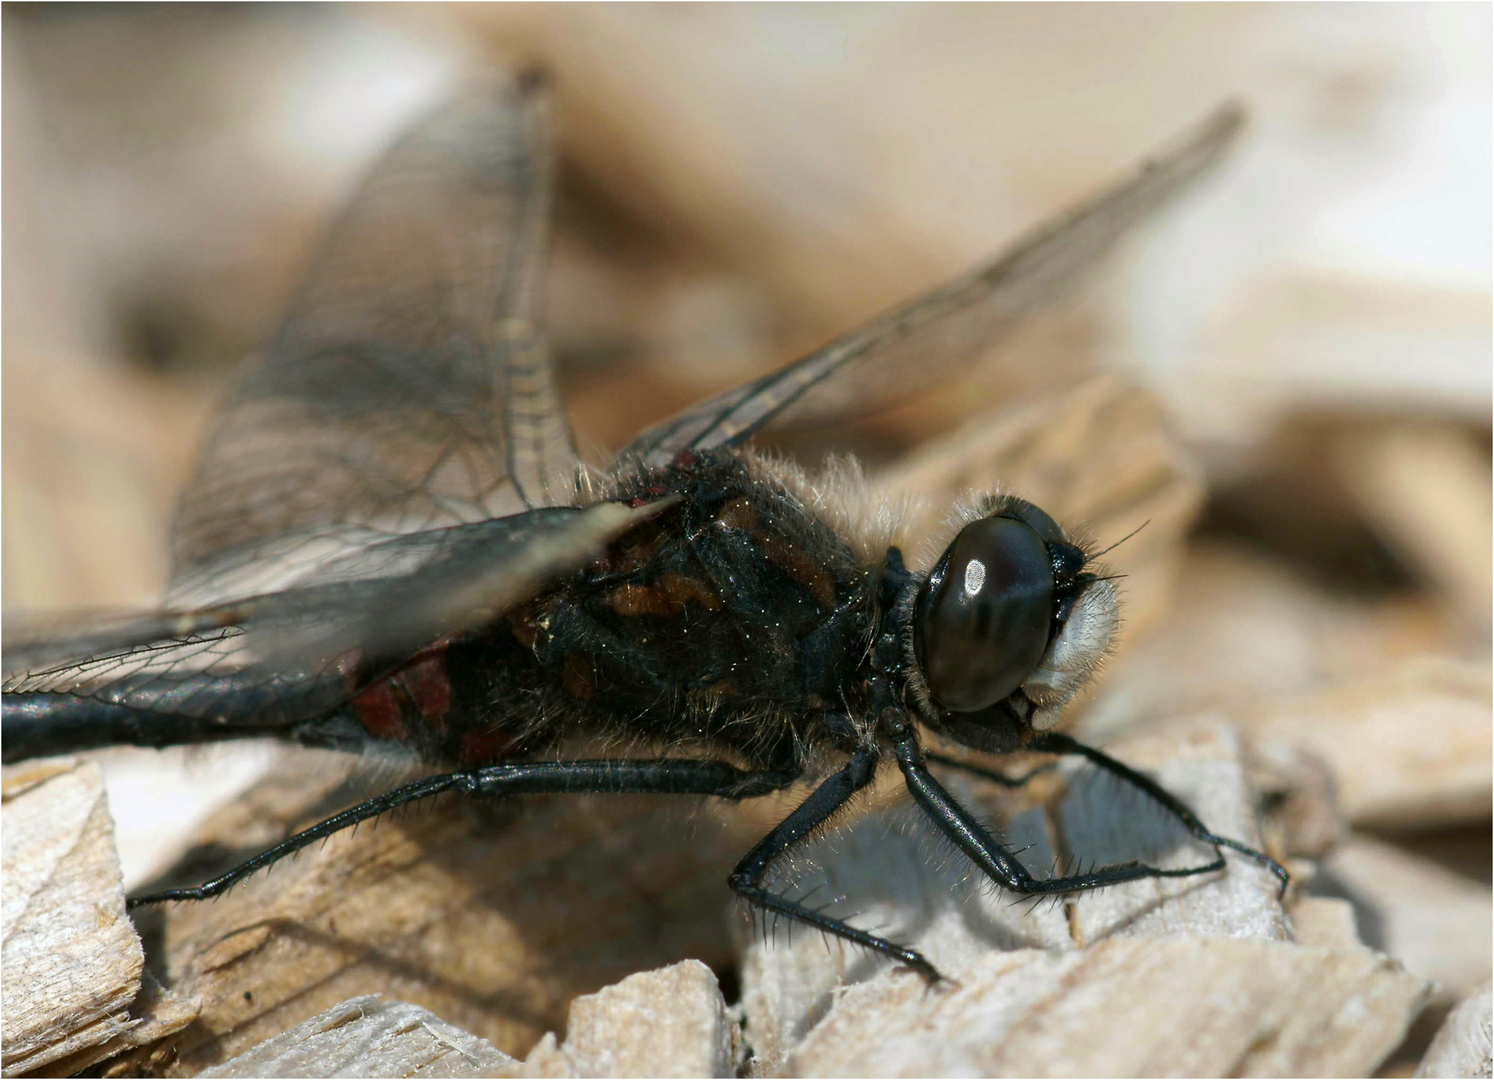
{"points": [[839, 494]]}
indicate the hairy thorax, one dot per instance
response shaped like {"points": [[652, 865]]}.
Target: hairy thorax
{"points": [[737, 620]]}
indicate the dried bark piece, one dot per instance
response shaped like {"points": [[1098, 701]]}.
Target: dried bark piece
{"points": [[1325, 921], [156, 1013], [1425, 489], [1462, 1046], [1412, 747], [1126, 1007], [1104, 821], [1248, 632], [365, 1036], [1301, 814], [70, 960], [1099, 457], [492, 916], [669, 1022], [1376, 690], [1432, 920], [892, 872]]}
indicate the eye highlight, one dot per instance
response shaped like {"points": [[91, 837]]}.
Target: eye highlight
{"points": [[975, 577], [983, 617]]}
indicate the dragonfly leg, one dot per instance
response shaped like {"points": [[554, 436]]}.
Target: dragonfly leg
{"points": [[665, 776], [747, 879], [999, 864], [1055, 743]]}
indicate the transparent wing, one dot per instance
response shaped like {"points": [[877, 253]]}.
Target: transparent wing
{"points": [[943, 330], [260, 664], [409, 387], [390, 471]]}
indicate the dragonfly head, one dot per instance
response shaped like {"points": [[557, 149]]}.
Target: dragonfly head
{"points": [[1008, 626]]}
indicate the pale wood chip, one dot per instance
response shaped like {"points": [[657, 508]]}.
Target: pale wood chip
{"points": [[1126, 1007], [1374, 690], [366, 1036], [157, 1014], [1434, 921], [1425, 488], [1411, 747], [1462, 1045], [889, 871], [492, 916], [1325, 921], [669, 1022], [1103, 821], [70, 958], [1300, 809]]}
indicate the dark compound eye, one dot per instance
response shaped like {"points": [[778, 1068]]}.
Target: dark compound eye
{"points": [[983, 616], [1036, 519]]}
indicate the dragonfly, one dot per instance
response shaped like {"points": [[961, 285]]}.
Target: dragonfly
{"points": [[390, 541]]}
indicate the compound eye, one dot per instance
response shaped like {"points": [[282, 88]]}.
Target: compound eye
{"points": [[983, 615]]}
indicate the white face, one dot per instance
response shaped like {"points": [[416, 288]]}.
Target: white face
{"points": [[1073, 654]]}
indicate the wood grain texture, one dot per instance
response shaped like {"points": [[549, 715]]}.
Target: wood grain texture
{"points": [[494, 918], [69, 957], [1382, 691], [1433, 920], [669, 1022], [1178, 1006], [366, 1036], [895, 875], [1462, 1045]]}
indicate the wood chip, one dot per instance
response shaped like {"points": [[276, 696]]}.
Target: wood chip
{"points": [[1300, 809], [886, 870], [1374, 690], [156, 1014], [1462, 1046], [366, 1036], [1425, 488], [1325, 921], [71, 961], [492, 916], [1411, 747], [1434, 921], [1175, 1006], [670, 1022]]}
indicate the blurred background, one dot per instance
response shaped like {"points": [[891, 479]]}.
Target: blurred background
{"points": [[739, 184]]}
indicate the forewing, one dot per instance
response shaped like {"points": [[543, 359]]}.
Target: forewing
{"points": [[944, 330], [262, 663], [409, 387]]}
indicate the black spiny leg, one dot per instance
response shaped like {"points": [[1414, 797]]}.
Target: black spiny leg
{"points": [[666, 776], [976, 841], [830, 796], [1054, 743]]}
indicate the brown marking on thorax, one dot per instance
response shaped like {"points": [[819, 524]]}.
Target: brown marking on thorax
{"points": [[578, 677], [739, 513], [667, 596]]}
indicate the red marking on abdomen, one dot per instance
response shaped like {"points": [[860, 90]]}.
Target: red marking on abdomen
{"points": [[429, 687], [377, 709], [482, 747], [423, 684]]}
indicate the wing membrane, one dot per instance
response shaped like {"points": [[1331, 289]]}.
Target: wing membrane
{"points": [[950, 327], [409, 387], [263, 664]]}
